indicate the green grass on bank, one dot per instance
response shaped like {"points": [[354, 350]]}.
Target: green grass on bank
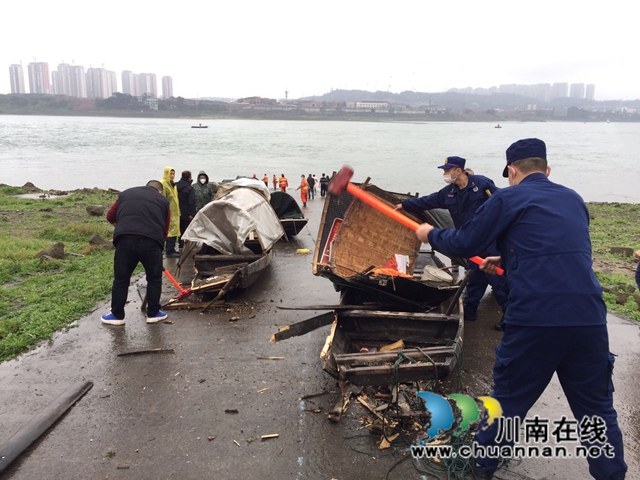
{"points": [[616, 225], [37, 297]]}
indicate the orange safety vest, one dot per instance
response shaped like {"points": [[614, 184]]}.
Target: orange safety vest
{"points": [[283, 182]]}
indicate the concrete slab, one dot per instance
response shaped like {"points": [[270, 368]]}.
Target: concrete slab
{"points": [[156, 412]]}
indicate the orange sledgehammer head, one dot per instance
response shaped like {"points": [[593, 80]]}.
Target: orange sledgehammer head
{"points": [[340, 181]]}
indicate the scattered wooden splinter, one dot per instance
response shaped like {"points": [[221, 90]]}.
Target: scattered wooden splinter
{"points": [[144, 352], [270, 358], [271, 435], [304, 397]]}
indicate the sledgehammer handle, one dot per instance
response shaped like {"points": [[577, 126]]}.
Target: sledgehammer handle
{"points": [[173, 280], [397, 216]]}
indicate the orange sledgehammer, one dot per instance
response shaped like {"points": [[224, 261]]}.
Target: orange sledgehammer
{"points": [[183, 293], [341, 182]]}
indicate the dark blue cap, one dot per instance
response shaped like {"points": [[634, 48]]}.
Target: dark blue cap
{"points": [[526, 148], [453, 162]]}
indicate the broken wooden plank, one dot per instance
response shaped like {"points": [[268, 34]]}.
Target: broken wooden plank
{"points": [[230, 284], [304, 327], [364, 401], [331, 307], [144, 352], [190, 305], [383, 357], [312, 395], [395, 315], [231, 267], [340, 407]]}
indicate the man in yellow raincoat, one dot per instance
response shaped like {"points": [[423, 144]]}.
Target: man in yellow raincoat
{"points": [[171, 192]]}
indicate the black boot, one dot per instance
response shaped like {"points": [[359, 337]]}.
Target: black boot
{"points": [[478, 472]]}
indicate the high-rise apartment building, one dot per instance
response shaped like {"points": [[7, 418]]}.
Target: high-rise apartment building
{"points": [[77, 82], [577, 90], [16, 75], [56, 87], [148, 85], [101, 83], [69, 80], [167, 87], [591, 92], [560, 90], [130, 82], [39, 77]]}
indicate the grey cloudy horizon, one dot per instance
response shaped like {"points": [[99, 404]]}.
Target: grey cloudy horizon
{"points": [[245, 48]]}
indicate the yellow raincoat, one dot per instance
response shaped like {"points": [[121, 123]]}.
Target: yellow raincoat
{"points": [[171, 192]]}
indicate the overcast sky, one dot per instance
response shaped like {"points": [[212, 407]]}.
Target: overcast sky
{"points": [[237, 48]]}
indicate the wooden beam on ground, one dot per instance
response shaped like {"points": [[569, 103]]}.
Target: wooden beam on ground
{"points": [[39, 424], [303, 327]]}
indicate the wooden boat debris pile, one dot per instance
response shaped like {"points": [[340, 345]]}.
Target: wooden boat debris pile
{"points": [[400, 317], [233, 237]]}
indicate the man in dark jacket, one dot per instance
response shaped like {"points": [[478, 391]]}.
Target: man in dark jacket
{"points": [[324, 184], [141, 216], [311, 180], [187, 200], [463, 195], [556, 322]]}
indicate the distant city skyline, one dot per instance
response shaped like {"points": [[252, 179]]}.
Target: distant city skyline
{"points": [[73, 81], [283, 45], [541, 91]]}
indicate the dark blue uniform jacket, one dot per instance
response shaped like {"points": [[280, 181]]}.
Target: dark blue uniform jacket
{"points": [[460, 203], [542, 232]]}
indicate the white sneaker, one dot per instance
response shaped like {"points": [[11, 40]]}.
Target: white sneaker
{"points": [[110, 319], [158, 317]]}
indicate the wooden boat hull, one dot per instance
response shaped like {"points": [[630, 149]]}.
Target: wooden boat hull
{"points": [[433, 340], [293, 226], [245, 268]]}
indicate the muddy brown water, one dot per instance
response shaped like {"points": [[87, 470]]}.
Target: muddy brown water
{"points": [[156, 414]]}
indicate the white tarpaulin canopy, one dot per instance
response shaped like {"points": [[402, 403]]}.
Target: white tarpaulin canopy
{"points": [[225, 224]]}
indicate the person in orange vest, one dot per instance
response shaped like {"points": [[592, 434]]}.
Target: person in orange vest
{"points": [[283, 182], [275, 182], [304, 190], [265, 179]]}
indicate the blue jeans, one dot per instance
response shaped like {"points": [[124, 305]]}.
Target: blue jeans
{"points": [[638, 276], [526, 360], [131, 250]]}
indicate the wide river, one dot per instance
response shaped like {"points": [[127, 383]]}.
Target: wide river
{"points": [[601, 161]]}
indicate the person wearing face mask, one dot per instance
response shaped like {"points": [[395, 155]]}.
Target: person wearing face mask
{"points": [[556, 322], [462, 196], [170, 191], [187, 198], [205, 191]]}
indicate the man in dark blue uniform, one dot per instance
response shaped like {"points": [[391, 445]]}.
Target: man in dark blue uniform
{"points": [[556, 320], [463, 195]]}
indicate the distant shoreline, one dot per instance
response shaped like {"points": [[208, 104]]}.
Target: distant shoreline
{"points": [[364, 117]]}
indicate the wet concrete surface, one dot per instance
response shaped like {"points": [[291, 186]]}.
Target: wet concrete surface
{"points": [[156, 412]]}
